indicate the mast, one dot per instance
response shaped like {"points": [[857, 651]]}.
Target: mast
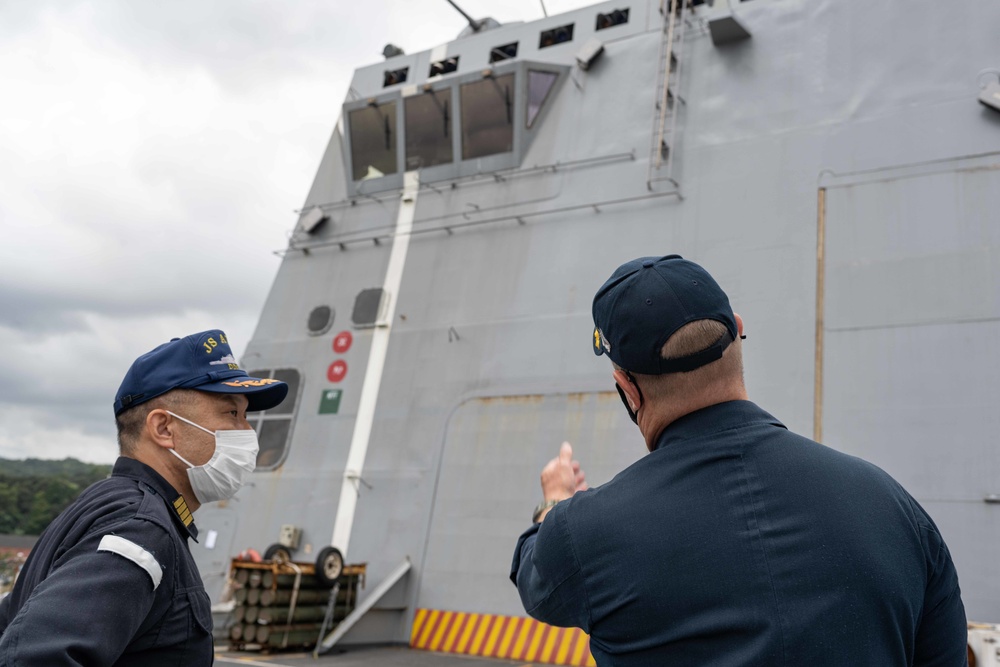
{"points": [[474, 24]]}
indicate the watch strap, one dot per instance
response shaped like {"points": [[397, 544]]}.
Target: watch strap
{"points": [[542, 506]]}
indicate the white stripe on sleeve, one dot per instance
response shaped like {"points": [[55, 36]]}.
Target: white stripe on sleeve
{"points": [[134, 553]]}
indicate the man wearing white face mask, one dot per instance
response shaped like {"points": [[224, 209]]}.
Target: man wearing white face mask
{"points": [[111, 581]]}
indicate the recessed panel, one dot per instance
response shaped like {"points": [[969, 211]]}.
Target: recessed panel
{"points": [[909, 373], [487, 485], [366, 307]]}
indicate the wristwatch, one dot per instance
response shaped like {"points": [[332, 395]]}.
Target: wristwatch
{"points": [[542, 506]]}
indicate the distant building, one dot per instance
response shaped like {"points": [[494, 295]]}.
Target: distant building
{"points": [[14, 550], [17, 545]]}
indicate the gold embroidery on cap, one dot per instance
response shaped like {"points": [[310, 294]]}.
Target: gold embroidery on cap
{"points": [[252, 383]]}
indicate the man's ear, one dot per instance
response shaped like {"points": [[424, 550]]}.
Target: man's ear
{"points": [[161, 428], [631, 391], [739, 323]]}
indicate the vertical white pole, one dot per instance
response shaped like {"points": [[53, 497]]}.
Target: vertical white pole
{"points": [[376, 363]]}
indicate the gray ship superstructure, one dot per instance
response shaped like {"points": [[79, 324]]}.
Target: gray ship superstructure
{"points": [[829, 161]]}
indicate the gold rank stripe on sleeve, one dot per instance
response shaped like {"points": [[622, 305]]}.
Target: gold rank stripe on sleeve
{"points": [[181, 507], [495, 636]]}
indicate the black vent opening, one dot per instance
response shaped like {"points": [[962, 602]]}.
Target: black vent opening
{"points": [[612, 18], [446, 66], [395, 76], [505, 52], [320, 320], [560, 35]]}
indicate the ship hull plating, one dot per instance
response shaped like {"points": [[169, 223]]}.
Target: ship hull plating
{"points": [[835, 172]]}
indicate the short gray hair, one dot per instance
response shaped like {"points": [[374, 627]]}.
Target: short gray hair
{"points": [[131, 422], [690, 338]]}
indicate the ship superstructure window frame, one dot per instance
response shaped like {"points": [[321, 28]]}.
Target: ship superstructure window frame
{"points": [[488, 107], [428, 128], [443, 67], [611, 19], [503, 52], [377, 121], [536, 98], [394, 77], [277, 423], [562, 34], [467, 159]]}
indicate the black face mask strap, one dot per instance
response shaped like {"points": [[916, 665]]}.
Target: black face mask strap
{"points": [[621, 393]]}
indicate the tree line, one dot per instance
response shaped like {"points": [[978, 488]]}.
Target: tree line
{"points": [[35, 491]]}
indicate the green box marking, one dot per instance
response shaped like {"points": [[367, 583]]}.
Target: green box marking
{"points": [[329, 402]]}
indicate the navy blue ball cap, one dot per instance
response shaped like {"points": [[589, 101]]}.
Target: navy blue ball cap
{"points": [[202, 361], [645, 301]]}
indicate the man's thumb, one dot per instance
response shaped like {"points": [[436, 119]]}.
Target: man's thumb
{"points": [[566, 453]]}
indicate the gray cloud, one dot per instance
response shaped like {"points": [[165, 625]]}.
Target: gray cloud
{"points": [[38, 312], [153, 156]]}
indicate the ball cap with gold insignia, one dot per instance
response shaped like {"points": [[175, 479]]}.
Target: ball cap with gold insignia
{"points": [[202, 361], [645, 301]]}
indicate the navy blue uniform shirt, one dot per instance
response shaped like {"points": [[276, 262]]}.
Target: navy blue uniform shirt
{"points": [[111, 581], [736, 542]]}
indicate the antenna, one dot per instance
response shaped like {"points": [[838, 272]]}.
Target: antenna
{"points": [[543, 8], [474, 24]]}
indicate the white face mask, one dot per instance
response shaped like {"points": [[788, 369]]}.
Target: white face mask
{"points": [[229, 468]]}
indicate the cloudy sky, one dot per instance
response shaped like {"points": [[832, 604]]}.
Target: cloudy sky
{"points": [[152, 155]]}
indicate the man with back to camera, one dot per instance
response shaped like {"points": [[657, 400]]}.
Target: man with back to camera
{"points": [[112, 581], [734, 541]]}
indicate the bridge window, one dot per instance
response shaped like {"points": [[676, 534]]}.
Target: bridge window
{"points": [[539, 85], [612, 18], [274, 426], [395, 76], [428, 129], [373, 140], [442, 67], [505, 52], [488, 116], [560, 35]]}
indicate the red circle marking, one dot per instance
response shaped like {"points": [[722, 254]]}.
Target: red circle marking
{"points": [[337, 371], [342, 342]]}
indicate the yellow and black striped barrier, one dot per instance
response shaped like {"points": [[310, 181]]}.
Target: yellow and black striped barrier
{"points": [[494, 636]]}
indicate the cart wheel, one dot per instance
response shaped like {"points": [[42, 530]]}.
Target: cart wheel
{"points": [[278, 553], [329, 565]]}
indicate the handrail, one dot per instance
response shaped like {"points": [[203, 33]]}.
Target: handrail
{"points": [[451, 227]]}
